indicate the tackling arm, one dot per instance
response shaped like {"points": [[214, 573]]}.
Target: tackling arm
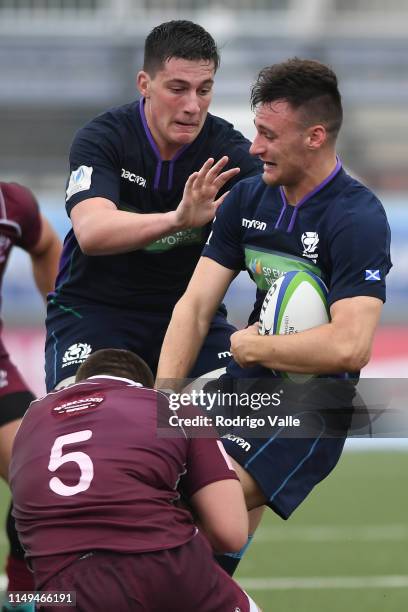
{"points": [[222, 515], [343, 345]]}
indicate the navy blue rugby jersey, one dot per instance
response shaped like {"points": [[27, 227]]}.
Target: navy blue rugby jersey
{"points": [[339, 232], [115, 157]]}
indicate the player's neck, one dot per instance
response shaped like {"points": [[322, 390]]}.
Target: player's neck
{"points": [[166, 150], [313, 176]]}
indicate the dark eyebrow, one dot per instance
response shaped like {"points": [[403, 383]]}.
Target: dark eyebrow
{"points": [[264, 129], [176, 81]]}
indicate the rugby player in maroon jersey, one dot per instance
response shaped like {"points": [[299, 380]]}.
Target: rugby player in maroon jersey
{"points": [[21, 225], [99, 514]]}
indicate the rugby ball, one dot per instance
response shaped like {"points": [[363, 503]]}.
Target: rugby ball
{"points": [[295, 302]]}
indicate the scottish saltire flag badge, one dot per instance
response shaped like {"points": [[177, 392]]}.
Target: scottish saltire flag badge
{"points": [[372, 275]]}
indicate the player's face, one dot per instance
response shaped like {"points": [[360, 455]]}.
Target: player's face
{"points": [[281, 143], [177, 100]]}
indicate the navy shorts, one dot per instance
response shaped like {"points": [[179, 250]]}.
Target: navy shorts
{"points": [[287, 464], [73, 334], [185, 579]]}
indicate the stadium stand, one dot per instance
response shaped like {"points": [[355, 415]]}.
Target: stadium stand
{"points": [[61, 61]]}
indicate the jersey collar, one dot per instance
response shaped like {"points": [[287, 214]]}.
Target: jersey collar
{"points": [[307, 197], [156, 151], [126, 380]]}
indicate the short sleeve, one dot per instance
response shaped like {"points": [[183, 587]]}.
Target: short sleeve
{"points": [[360, 251], [95, 164], [224, 244], [207, 462]]}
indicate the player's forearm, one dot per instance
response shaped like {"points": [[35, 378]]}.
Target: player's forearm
{"points": [[314, 352], [44, 272], [182, 343], [321, 350], [45, 260], [115, 231]]}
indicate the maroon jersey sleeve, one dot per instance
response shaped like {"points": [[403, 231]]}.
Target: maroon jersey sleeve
{"points": [[207, 462], [20, 215]]}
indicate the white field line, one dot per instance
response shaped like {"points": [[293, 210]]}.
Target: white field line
{"points": [[329, 582], [299, 583], [333, 533]]}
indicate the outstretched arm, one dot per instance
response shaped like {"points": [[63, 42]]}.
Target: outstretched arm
{"points": [[102, 229]]}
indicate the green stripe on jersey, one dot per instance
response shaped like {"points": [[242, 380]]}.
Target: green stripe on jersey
{"points": [[266, 266], [183, 238]]}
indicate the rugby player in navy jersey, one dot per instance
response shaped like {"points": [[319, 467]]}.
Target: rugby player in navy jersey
{"points": [[146, 179], [99, 516], [264, 226], [21, 225]]}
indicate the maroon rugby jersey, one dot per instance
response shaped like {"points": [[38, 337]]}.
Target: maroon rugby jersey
{"points": [[20, 224], [89, 472]]}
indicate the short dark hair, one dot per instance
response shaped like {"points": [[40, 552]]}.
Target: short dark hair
{"points": [[308, 85], [181, 39], [116, 362]]}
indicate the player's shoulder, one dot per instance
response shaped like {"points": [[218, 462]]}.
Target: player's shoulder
{"points": [[244, 200], [18, 198], [115, 123], [226, 139], [223, 133], [358, 200], [250, 190], [16, 191]]}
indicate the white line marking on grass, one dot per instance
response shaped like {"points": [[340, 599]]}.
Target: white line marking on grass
{"points": [[333, 533], [332, 582]]}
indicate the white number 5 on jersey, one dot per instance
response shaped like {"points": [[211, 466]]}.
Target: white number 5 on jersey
{"points": [[83, 460]]}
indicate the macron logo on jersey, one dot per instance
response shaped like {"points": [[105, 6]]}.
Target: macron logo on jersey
{"points": [[259, 225], [133, 178]]}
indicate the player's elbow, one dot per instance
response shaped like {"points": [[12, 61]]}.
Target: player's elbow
{"points": [[353, 357], [87, 243], [222, 515], [229, 539], [193, 311], [88, 235]]}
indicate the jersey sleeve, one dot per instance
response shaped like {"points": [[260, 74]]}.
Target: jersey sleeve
{"points": [[95, 164], [207, 462], [360, 251], [24, 212], [224, 244]]}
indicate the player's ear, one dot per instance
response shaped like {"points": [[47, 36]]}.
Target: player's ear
{"points": [[143, 83], [316, 136]]}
